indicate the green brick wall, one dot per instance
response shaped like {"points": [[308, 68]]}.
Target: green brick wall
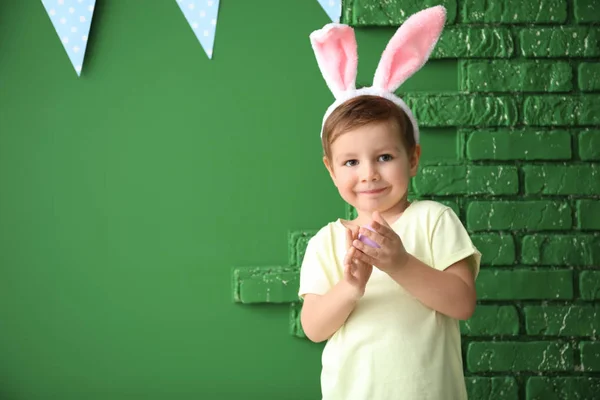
{"points": [[525, 180]]}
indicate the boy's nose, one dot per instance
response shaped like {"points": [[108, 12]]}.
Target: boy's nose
{"points": [[369, 173]]}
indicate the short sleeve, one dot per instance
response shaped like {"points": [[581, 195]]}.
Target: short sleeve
{"points": [[313, 272], [451, 243]]}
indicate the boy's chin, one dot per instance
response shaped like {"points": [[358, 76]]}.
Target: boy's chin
{"points": [[370, 209]]}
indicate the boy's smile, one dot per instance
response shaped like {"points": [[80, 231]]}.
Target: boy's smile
{"points": [[373, 191]]}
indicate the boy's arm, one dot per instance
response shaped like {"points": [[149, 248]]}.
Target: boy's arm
{"points": [[323, 315], [450, 292]]}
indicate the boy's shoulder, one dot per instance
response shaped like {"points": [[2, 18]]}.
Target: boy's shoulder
{"points": [[430, 207], [327, 234], [327, 230]]}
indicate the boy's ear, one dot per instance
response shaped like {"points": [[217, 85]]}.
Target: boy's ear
{"points": [[414, 160], [329, 167]]}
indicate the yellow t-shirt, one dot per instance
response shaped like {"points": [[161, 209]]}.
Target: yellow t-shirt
{"points": [[392, 347]]}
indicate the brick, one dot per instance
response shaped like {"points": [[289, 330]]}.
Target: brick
{"points": [[554, 249], [581, 41], [491, 320], [588, 76], [589, 145], [586, 11], [496, 249], [589, 285], [518, 144], [457, 110], [494, 284], [443, 146], [297, 242], [571, 388], [572, 320], [266, 284], [590, 356], [467, 180], [516, 76], [473, 42], [555, 110], [514, 11], [494, 388], [562, 179], [519, 356], [518, 215], [390, 12], [295, 323], [588, 214]]}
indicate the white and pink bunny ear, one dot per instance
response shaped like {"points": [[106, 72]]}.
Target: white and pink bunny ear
{"points": [[409, 48], [335, 49]]}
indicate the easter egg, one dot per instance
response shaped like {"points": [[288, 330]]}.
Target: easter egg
{"points": [[366, 240]]}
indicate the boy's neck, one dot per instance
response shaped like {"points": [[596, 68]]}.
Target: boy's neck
{"points": [[390, 216]]}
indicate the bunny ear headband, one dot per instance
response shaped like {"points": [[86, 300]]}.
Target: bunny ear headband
{"points": [[408, 50]]}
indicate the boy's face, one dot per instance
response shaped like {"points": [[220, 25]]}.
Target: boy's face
{"points": [[371, 168]]}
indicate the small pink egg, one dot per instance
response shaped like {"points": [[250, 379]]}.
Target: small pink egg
{"points": [[366, 240]]}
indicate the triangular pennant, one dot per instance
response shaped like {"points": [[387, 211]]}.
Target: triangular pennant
{"points": [[202, 17], [72, 20], [333, 8]]}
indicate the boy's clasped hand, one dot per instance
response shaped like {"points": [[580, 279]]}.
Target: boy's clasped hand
{"points": [[361, 257]]}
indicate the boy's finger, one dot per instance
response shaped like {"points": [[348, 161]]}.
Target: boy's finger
{"points": [[374, 236], [353, 261], [351, 255], [361, 256], [355, 232], [348, 265], [367, 249], [348, 257], [383, 230], [348, 238]]}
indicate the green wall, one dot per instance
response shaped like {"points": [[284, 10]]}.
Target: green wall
{"points": [[127, 196]]}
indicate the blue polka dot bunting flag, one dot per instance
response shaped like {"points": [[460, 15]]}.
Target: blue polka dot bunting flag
{"points": [[202, 17], [333, 8], [72, 20]]}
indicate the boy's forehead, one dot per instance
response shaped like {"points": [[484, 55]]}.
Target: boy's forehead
{"points": [[370, 135]]}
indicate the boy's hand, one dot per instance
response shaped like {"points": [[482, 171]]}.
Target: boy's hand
{"points": [[356, 272], [391, 254]]}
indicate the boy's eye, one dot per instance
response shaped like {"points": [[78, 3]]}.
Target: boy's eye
{"points": [[350, 163], [386, 157]]}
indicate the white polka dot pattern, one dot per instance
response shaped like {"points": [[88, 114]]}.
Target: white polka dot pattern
{"points": [[72, 20], [202, 17]]}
